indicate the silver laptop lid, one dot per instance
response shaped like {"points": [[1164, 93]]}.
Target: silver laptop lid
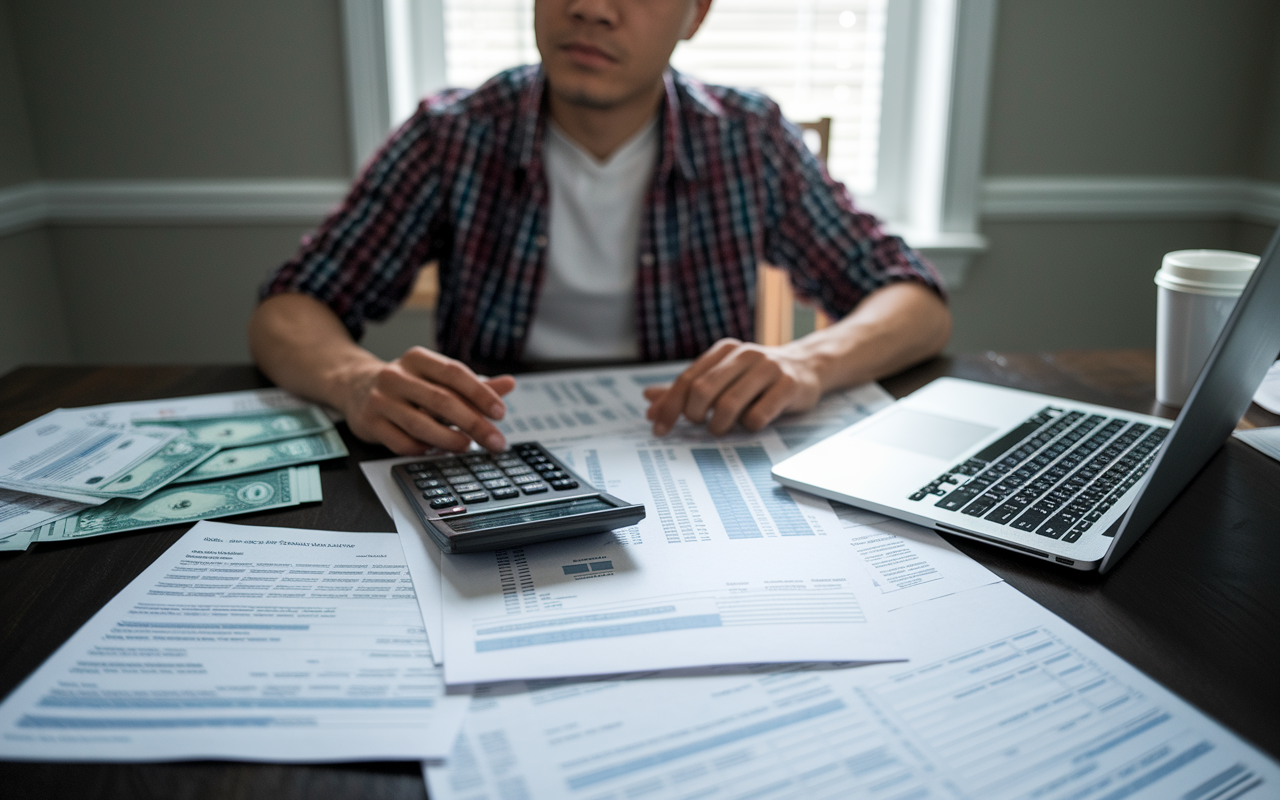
{"points": [[1245, 349]]}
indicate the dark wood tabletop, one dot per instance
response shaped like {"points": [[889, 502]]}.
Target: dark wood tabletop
{"points": [[1195, 604]]}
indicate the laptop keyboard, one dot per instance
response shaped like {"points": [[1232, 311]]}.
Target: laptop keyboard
{"points": [[1055, 474]]}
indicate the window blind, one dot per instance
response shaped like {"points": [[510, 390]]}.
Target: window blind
{"points": [[816, 58]]}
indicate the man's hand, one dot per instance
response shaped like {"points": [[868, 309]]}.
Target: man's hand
{"points": [[736, 382], [409, 404]]}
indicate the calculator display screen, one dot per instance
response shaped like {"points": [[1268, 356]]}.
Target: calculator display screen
{"points": [[517, 516]]}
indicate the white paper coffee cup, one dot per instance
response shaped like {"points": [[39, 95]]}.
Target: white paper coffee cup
{"points": [[1197, 291]]}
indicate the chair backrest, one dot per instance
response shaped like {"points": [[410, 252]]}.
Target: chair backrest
{"points": [[776, 304]]}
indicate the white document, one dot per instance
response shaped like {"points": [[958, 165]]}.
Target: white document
{"points": [[421, 554], [908, 563], [61, 455], [1264, 440], [727, 568], [245, 642], [21, 511], [1268, 394], [1001, 699], [579, 404]]}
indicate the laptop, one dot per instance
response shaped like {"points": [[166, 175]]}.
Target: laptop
{"points": [[1072, 483]]}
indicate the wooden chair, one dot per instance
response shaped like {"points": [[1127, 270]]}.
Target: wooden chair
{"points": [[776, 303]]}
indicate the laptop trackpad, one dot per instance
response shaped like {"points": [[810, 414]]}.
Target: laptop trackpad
{"points": [[927, 434]]}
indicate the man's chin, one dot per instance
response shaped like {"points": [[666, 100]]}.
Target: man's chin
{"points": [[586, 98]]}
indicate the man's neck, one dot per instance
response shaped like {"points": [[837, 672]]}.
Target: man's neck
{"points": [[601, 131]]}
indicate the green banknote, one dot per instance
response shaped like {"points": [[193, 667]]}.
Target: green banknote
{"points": [[256, 427], [18, 540], [175, 505], [259, 457], [174, 459]]}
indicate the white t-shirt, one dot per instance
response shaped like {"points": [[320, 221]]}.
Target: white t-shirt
{"points": [[586, 310]]}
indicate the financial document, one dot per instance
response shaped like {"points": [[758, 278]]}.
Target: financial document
{"points": [[59, 455], [20, 511], [1264, 440], [580, 404], [1001, 699], [245, 642], [908, 563], [727, 568], [421, 554], [206, 405]]}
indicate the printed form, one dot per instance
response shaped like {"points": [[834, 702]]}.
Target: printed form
{"points": [[727, 568], [1001, 699], [245, 642]]}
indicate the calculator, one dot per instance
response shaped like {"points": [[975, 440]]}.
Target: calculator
{"points": [[491, 501]]}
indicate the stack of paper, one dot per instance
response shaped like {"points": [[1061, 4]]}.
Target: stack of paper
{"points": [[103, 469]]}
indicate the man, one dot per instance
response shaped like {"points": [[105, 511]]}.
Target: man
{"points": [[599, 207]]}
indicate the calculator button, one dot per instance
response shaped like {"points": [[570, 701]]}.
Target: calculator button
{"points": [[533, 488], [545, 466], [465, 477], [554, 474], [444, 501], [463, 488], [450, 472], [475, 497], [507, 463], [417, 466], [505, 494], [520, 470], [488, 474], [427, 483], [438, 492], [448, 512], [564, 483], [496, 483], [526, 479]]}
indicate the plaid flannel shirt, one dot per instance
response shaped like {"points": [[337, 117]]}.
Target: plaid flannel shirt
{"points": [[462, 182]]}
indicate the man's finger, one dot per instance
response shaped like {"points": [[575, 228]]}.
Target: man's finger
{"points": [[654, 394], [443, 403], [738, 395], [769, 406], [396, 440], [705, 392], [457, 376], [667, 410], [423, 428]]}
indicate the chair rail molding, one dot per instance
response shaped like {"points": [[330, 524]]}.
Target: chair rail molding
{"points": [[306, 201]]}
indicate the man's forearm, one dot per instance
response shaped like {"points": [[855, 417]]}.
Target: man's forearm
{"points": [[891, 329], [302, 345]]}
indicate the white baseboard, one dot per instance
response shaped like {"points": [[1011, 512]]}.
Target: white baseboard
{"points": [[1123, 197]]}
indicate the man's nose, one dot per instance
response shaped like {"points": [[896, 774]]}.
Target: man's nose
{"points": [[597, 12]]}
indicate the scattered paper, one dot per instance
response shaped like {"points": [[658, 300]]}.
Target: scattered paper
{"points": [[245, 642], [1001, 699], [1264, 440], [1268, 394]]}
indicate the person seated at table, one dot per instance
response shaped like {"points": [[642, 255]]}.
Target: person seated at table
{"points": [[598, 207]]}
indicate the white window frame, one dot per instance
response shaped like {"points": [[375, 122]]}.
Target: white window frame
{"points": [[932, 125]]}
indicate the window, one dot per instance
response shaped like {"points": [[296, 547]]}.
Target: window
{"points": [[904, 82]]}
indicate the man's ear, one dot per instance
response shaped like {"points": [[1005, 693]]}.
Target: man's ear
{"points": [[697, 13]]}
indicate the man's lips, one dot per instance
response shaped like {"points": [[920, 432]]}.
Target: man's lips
{"points": [[587, 55]]}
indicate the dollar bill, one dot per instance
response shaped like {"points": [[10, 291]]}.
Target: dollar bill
{"points": [[259, 457], [175, 505], [18, 540], [173, 460], [240, 430]]}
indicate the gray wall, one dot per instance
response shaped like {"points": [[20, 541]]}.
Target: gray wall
{"points": [[153, 89], [1099, 87], [163, 89]]}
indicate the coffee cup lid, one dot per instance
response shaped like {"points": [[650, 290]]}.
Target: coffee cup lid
{"points": [[1217, 272]]}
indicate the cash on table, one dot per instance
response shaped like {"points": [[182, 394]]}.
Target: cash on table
{"points": [[79, 472]]}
